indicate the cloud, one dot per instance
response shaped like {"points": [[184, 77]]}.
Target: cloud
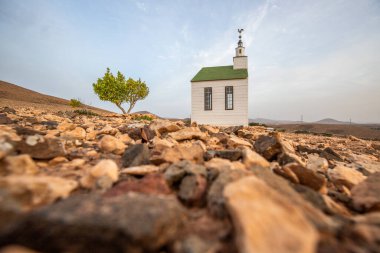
{"points": [[221, 53], [255, 20], [185, 32], [141, 6], [342, 84]]}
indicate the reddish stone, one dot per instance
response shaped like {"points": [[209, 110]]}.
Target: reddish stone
{"points": [[150, 184], [193, 189]]}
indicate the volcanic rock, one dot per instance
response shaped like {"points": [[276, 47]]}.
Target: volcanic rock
{"points": [[33, 191], [321, 222], [360, 237], [150, 184], [10, 210], [232, 154], [308, 177], [125, 138], [344, 176], [136, 155], [117, 224], [257, 210], [209, 129], [108, 130], [366, 195], [21, 164], [4, 119], [375, 146], [233, 129], [5, 147], [102, 175], [177, 171], [252, 160], [163, 126], [8, 134], [7, 109], [162, 143], [330, 154], [110, 144], [78, 133], [190, 180], [41, 147], [317, 164], [188, 133], [273, 147], [193, 153], [147, 134], [365, 164], [268, 146], [215, 198], [134, 133], [58, 160], [192, 189], [235, 142], [141, 170], [216, 165], [322, 202], [244, 133], [287, 173], [28, 131], [66, 126]]}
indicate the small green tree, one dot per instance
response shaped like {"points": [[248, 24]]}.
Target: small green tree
{"points": [[118, 90]]}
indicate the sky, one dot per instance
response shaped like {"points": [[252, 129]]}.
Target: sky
{"points": [[316, 58]]}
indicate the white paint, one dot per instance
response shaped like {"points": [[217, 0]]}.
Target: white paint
{"points": [[240, 51], [219, 115], [241, 62]]}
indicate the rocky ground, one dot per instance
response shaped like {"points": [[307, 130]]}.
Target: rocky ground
{"points": [[74, 183]]}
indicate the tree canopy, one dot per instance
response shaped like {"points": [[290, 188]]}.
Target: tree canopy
{"points": [[118, 90]]}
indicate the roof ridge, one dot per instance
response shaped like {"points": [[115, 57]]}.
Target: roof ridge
{"points": [[219, 66]]}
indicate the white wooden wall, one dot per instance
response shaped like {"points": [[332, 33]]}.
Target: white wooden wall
{"points": [[241, 62], [218, 115]]}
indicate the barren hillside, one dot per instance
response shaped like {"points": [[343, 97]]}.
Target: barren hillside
{"points": [[18, 97], [366, 131]]}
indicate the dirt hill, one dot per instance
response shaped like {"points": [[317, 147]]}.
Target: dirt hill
{"points": [[18, 97], [331, 121], [364, 131]]}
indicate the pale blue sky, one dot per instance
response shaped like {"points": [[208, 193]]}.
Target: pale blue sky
{"points": [[319, 58]]}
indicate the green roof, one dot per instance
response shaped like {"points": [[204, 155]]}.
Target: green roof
{"points": [[220, 73]]}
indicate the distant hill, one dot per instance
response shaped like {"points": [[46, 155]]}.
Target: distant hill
{"points": [[12, 95], [146, 112], [331, 121], [289, 122], [365, 131], [142, 112]]}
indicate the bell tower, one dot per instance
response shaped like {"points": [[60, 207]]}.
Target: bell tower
{"points": [[240, 59]]}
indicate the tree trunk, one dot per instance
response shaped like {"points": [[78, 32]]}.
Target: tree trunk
{"points": [[121, 108], [131, 107]]}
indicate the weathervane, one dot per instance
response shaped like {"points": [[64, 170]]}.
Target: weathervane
{"points": [[240, 43]]}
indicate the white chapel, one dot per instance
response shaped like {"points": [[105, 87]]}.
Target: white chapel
{"points": [[219, 95]]}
